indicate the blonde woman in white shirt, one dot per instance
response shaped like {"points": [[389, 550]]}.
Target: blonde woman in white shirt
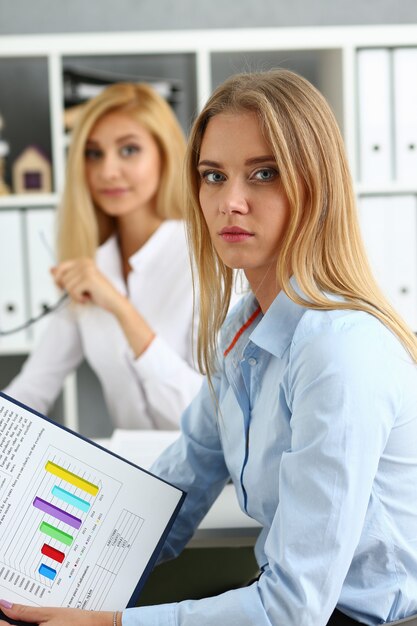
{"points": [[123, 260]]}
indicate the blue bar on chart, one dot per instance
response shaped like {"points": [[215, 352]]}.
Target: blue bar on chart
{"points": [[71, 499], [46, 571]]}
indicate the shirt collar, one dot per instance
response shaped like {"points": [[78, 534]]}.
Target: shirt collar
{"points": [[273, 332], [108, 256], [108, 259], [165, 236], [276, 329], [237, 319]]}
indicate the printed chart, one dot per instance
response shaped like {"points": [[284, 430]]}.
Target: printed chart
{"points": [[54, 526]]}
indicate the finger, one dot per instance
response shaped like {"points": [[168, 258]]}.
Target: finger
{"points": [[78, 291], [66, 265], [61, 274], [56, 277], [73, 284], [24, 613]]}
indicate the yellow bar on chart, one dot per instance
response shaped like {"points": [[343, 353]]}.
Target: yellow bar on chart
{"points": [[71, 478]]}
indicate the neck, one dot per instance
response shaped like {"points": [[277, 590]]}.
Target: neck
{"points": [[265, 287], [134, 230]]}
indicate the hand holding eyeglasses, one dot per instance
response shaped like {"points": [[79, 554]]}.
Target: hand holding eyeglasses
{"points": [[84, 283]]}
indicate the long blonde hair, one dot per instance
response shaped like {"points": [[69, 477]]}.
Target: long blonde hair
{"points": [[81, 225], [322, 246]]}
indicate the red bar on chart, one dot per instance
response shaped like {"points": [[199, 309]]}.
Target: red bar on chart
{"points": [[53, 553]]}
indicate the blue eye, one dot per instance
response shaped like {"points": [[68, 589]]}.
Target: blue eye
{"points": [[213, 177], [266, 174], [129, 150], [92, 154]]}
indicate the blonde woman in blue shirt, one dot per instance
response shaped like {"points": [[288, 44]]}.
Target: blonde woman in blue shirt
{"points": [[310, 406]]}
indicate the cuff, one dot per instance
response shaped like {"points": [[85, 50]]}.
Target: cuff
{"points": [[160, 615]]}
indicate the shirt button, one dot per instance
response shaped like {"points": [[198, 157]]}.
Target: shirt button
{"points": [[252, 360]]}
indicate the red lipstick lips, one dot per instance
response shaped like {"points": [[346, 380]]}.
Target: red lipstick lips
{"points": [[234, 234]]}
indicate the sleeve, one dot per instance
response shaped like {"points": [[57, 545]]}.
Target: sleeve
{"points": [[58, 352], [194, 463], [168, 380], [342, 403]]}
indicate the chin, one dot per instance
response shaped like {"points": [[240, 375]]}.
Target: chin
{"points": [[235, 263]]}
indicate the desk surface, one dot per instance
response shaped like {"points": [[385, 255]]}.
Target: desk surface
{"points": [[225, 525]]}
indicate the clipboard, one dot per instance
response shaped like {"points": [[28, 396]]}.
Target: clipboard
{"points": [[80, 526]]}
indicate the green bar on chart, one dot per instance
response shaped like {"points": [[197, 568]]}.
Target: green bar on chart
{"points": [[55, 533]]}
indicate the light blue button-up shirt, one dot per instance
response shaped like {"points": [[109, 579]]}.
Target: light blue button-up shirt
{"points": [[318, 431]]}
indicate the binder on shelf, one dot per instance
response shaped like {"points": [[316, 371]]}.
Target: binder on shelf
{"points": [[40, 236], [389, 228], [83, 83], [13, 311], [374, 115], [405, 113]]}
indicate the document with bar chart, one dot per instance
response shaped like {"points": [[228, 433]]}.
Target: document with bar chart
{"points": [[79, 526]]}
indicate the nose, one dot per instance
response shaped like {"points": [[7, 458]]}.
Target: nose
{"points": [[109, 166], [233, 199]]}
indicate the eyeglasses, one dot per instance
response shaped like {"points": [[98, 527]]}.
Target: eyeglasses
{"points": [[32, 320], [47, 309]]}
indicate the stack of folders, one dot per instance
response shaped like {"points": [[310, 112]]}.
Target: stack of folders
{"points": [[387, 115], [27, 288], [389, 228], [387, 140]]}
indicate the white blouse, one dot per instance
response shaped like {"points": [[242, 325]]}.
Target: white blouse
{"points": [[144, 393]]}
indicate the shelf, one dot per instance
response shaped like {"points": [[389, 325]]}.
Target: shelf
{"points": [[178, 67], [389, 189], [28, 200], [22, 348], [210, 39]]}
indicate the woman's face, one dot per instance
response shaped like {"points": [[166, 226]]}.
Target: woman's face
{"points": [[123, 165], [241, 195]]}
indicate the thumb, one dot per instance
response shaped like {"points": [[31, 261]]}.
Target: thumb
{"points": [[23, 613]]}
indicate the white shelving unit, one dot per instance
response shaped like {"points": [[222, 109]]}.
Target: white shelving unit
{"points": [[327, 56]]}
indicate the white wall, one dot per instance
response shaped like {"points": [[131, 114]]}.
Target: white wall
{"points": [[54, 16]]}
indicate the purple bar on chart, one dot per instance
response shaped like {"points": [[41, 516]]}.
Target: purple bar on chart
{"points": [[56, 512]]}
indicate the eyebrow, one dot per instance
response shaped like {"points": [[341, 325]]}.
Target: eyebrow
{"points": [[118, 140], [253, 161]]}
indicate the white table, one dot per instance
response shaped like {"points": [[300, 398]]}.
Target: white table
{"points": [[225, 525]]}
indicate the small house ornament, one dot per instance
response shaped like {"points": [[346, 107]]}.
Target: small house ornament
{"points": [[32, 172]]}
